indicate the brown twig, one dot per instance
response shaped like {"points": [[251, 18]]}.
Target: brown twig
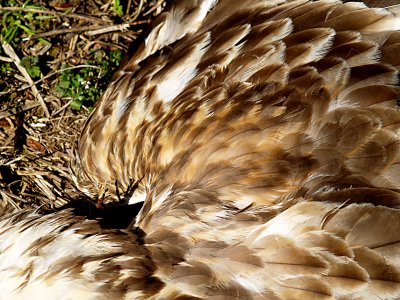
{"points": [[6, 59], [13, 111], [121, 27], [55, 13], [11, 53], [153, 8], [45, 77], [65, 31], [138, 10], [91, 30], [56, 72], [5, 193], [128, 7]]}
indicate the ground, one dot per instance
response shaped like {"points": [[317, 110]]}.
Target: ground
{"points": [[56, 59]]}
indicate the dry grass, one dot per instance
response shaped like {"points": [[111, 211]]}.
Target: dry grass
{"points": [[38, 128]]}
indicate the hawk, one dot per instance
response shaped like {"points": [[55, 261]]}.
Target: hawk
{"points": [[263, 138]]}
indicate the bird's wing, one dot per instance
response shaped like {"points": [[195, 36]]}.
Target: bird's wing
{"points": [[265, 100], [266, 141]]}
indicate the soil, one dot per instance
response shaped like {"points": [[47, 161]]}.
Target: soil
{"points": [[39, 129]]}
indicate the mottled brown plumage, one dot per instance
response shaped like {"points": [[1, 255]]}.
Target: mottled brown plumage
{"points": [[264, 141]]}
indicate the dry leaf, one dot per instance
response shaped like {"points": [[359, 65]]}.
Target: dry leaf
{"points": [[35, 145]]}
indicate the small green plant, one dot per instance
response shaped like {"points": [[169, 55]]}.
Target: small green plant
{"points": [[6, 67], [116, 57], [30, 63], [118, 8], [80, 85], [15, 25], [85, 85]]}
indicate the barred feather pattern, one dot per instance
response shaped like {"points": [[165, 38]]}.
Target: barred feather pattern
{"points": [[264, 141]]}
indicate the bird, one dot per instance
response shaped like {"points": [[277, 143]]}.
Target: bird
{"points": [[263, 139]]}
